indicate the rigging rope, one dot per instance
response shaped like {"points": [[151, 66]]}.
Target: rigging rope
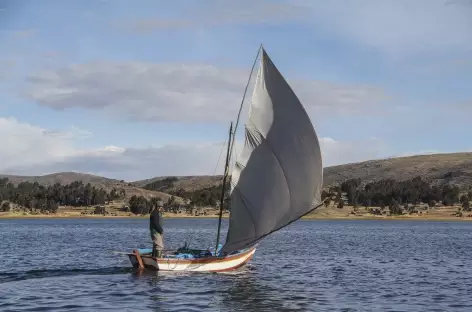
{"points": [[221, 152]]}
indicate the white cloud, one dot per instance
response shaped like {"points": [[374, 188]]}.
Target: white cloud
{"points": [[197, 159], [212, 13], [31, 150], [179, 92], [141, 163], [28, 145]]}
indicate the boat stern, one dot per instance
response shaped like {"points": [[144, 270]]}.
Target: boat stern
{"points": [[142, 261]]}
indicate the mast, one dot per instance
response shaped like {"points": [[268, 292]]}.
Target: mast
{"points": [[223, 187]]}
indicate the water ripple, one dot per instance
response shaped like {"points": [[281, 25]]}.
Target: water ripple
{"points": [[69, 265]]}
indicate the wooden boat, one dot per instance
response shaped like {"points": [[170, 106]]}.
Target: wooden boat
{"points": [[276, 179], [204, 263]]}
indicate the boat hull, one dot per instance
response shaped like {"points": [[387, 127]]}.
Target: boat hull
{"points": [[206, 264]]}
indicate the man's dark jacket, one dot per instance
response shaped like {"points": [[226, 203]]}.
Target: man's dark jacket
{"points": [[155, 222]]}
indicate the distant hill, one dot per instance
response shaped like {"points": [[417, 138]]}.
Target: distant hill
{"points": [[189, 183], [438, 169], [63, 178], [97, 181]]}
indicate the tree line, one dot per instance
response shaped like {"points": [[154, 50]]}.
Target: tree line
{"points": [[49, 198], [394, 194]]}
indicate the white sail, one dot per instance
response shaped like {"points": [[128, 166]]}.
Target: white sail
{"points": [[279, 175]]}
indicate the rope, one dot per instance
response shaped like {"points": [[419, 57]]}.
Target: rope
{"points": [[219, 157]]}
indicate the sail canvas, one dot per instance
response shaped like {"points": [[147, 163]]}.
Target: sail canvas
{"points": [[278, 176]]}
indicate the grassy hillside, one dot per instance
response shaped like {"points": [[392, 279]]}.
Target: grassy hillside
{"points": [[64, 178], [204, 191], [188, 183], [438, 169]]}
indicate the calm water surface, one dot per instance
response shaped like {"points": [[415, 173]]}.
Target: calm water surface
{"points": [[69, 265]]}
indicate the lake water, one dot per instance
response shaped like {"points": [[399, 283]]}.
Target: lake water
{"points": [[69, 265]]}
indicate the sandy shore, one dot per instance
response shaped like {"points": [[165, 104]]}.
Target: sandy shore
{"points": [[319, 215], [94, 216], [403, 217]]}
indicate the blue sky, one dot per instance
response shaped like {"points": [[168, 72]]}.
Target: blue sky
{"points": [[134, 89]]}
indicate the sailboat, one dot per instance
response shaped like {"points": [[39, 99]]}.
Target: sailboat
{"points": [[276, 179]]}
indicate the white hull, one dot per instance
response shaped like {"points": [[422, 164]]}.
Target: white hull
{"points": [[207, 264]]}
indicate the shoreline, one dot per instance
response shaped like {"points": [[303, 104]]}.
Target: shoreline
{"points": [[91, 216], [174, 216]]}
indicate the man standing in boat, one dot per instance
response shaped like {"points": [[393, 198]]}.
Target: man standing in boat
{"points": [[157, 232]]}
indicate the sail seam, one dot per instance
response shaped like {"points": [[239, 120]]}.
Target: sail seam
{"points": [[244, 200], [271, 150], [251, 137], [266, 68], [283, 171], [301, 109]]}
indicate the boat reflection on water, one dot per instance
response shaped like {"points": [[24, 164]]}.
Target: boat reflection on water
{"points": [[246, 292], [245, 289], [236, 291]]}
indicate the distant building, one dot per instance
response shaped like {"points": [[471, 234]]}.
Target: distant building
{"points": [[100, 210]]}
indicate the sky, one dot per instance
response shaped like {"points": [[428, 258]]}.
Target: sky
{"points": [[137, 89]]}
